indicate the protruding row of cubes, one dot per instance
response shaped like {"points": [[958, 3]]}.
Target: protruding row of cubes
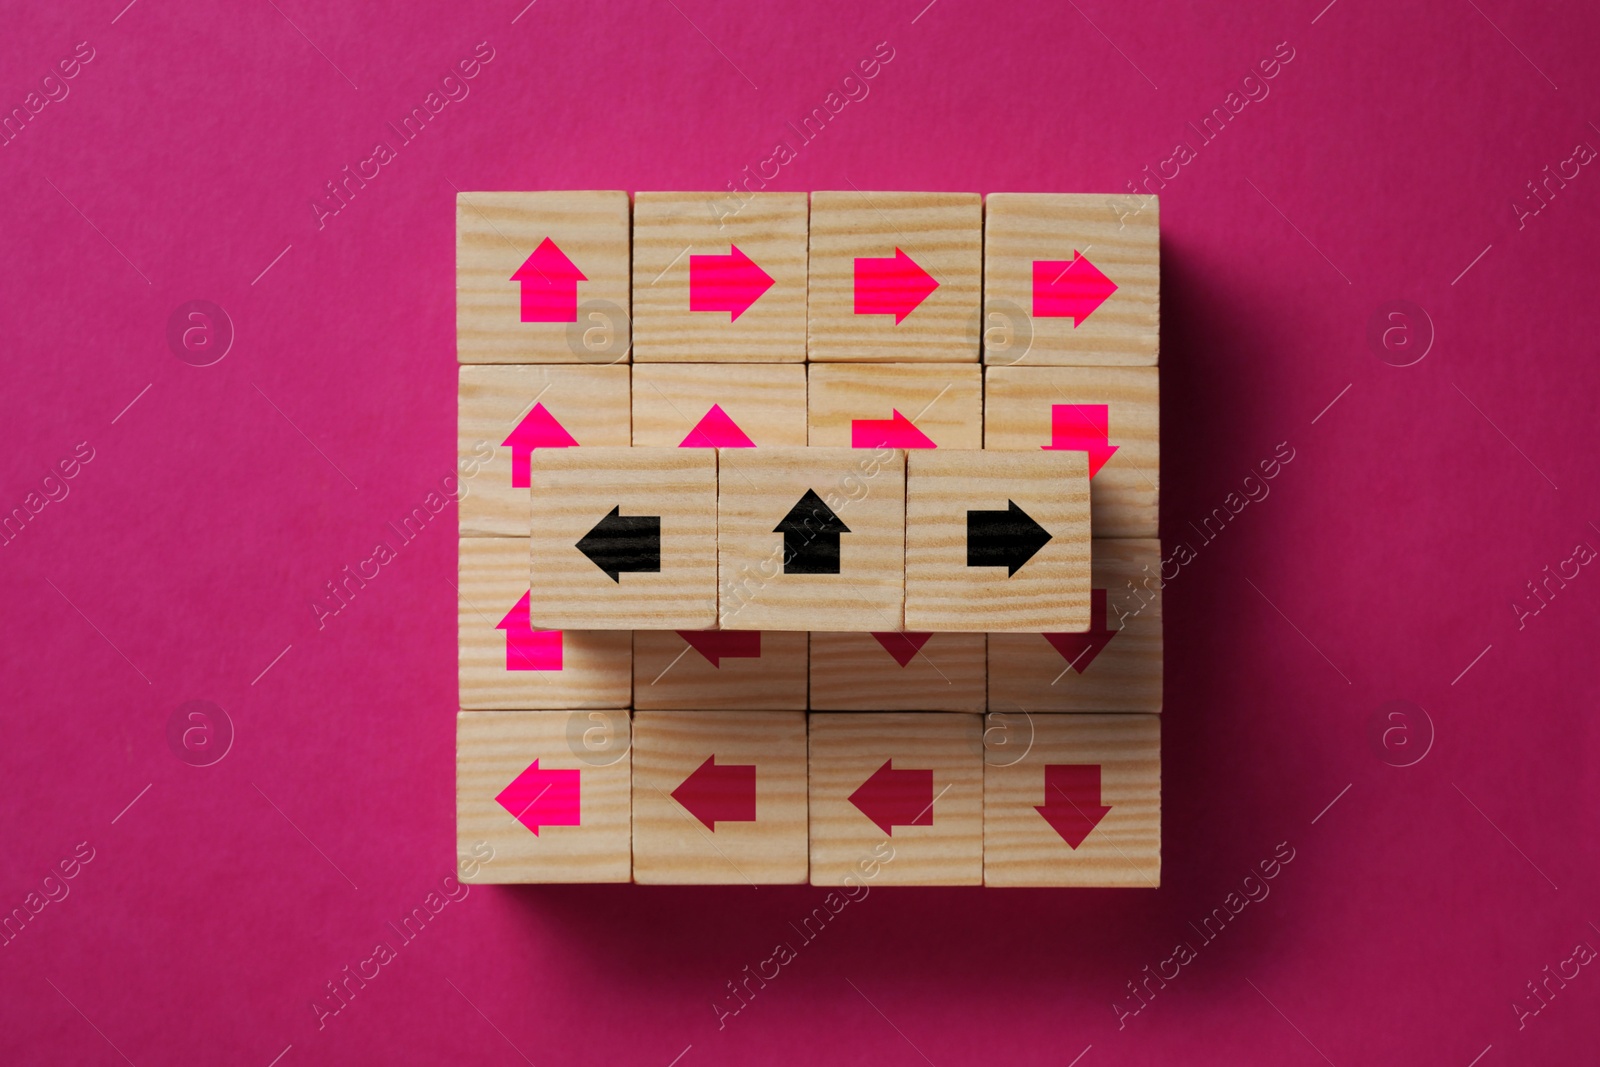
{"points": [[772, 797]]}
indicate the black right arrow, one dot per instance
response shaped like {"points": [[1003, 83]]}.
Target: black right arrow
{"points": [[1003, 538], [811, 537], [618, 544]]}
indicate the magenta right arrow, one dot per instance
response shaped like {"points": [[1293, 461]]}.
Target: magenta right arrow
{"points": [[728, 283], [1069, 289], [894, 285], [897, 431]]}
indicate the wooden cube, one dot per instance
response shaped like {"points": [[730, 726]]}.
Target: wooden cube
{"points": [[506, 663], [904, 789], [745, 670], [506, 412], [624, 538], [997, 541], [1113, 414], [901, 405], [1115, 666], [714, 285], [1079, 274], [811, 538], [897, 671], [719, 405], [895, 277], [543, 796], [719, 797], [1078, 805], [542, 277]]}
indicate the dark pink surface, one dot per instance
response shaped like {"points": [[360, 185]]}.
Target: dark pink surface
{"points": [[1384, 562]]}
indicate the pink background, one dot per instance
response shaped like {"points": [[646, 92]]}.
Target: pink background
{"points": [[1383, 565]]}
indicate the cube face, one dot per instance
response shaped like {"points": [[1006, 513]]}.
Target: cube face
{"points": [[1077, 276], [1072, 800], [895, 277], [903, 405], [1115, 666], [714, 285], [745, 670], [505, 663], [521, 300], [905, 788], [1113, 413], [719, 797], [897, 671], [624, 538], [718, 405], [543, 796], [507, 412], [997, 541], [811, 538]]}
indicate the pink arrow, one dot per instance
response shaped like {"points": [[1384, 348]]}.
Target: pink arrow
{"points": [[1082, 428], [549, 285], [896, 431], [1069, 289], [538, 798], [901, 644], [728, 283], [891, 286], [716, 430], [717, 645], [538, 429], [1072, 800], [1079, 650], [528, 649]]}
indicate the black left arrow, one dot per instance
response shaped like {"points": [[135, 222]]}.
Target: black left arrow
{"points": [[1003, 538], [811, 537], [618, 544]]}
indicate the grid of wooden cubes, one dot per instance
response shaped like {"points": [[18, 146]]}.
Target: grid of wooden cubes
{"points": [[922, 324]]}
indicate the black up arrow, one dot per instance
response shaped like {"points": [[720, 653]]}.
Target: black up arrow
{"points": [[618, 544], [811, 537], [1003, 538]]}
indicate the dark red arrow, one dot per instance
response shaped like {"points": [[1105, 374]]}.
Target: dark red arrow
{"points": [[728, 283], [538, 429], [1072, 800], [1079, 650], [717, 645], [903, 645], [716, 794], [894, 285], [893, 798], [1069, 289], [549, 285]]}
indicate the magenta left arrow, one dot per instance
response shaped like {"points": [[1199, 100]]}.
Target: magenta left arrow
{"points": [[549, 285], [528, 649], [537, 798], [538, 429]]}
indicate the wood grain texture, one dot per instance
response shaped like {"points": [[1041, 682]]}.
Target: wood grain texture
{"points": [[597, 665], [941, 232], [1048, 592], [668, 673], [495, 234], [944, 401], [669, 229], [591, 403], [1126, 491], [1123, 244], [848, 747], [671, 846], [492, 749], [765, 400], [1021, 849], [855, 672], [758, 487], [1027, 672], [574, 488]]}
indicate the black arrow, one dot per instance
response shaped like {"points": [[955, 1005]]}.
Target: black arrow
{"points": [[1003, 538], [811, 537], [618, 544]]}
